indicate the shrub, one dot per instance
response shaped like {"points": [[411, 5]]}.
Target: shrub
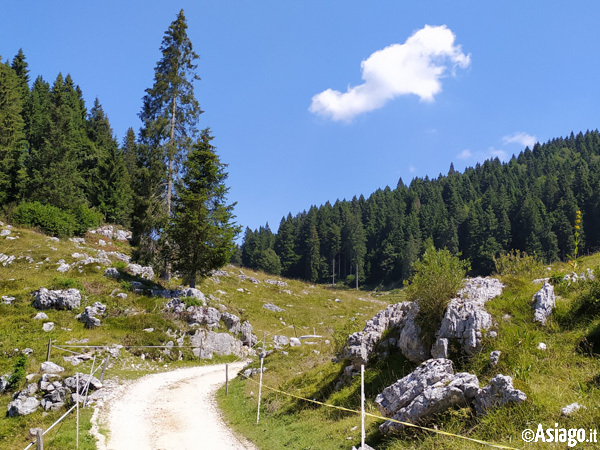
{"points": [[437, 277], [62, 282], [517, 263], [19, 373], [191, 301], [588, 302], [50, 219], [86, 218]]}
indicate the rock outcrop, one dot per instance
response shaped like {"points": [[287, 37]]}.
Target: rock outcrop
{"points": [[544, 303], [58, 299], [430, 389], [273, 307], [22, 405], [90, 313], [208, 343], [466, 319], [144, 272], [361, 344], [433, 387], [497, 393]]}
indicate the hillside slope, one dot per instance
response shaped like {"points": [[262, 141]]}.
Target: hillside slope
{"points": [[306, 309], [564, 372]]}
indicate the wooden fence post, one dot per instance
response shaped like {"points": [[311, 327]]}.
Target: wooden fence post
{"points": [[39, 438], [49, 347], [104, 368]]}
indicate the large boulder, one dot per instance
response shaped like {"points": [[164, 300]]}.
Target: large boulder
{"points": [[361, 345], [208, 343], [433, 387], [544, 303], [84, 379], [22, 406], [466, 319], [58, 299], [430, 389], [201, 315], [50, 367]]}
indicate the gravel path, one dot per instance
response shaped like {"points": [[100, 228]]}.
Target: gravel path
{"points": [[171, 410]]}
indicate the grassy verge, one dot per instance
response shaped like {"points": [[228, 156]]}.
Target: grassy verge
{"points": [[565, 373]]}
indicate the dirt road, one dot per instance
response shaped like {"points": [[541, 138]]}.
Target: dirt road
{"points": [[171, 410]]}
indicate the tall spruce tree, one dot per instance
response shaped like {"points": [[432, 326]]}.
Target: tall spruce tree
{"points": [[169, 114], [202, 230], [12, 135]]}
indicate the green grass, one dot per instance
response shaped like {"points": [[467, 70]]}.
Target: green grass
{"points": [[306, 308], [552, 379]]}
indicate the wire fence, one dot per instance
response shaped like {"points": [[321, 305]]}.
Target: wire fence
{"points": [[103, 365]]}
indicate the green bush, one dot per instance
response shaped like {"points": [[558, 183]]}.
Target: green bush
{"points": [[18, 373], [517, 264], [587, 302], [191, 301], [50, 219], [86, 218], [437, 277]]}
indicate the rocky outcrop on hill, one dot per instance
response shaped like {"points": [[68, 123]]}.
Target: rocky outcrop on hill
{"points": [[497, 393], [544, 303], [399, 316], [22, 405], [57, 299], [140, 271], [207, 343], [465, 320], [112, 232], [178, 293], [433, 387], [90, 313]]}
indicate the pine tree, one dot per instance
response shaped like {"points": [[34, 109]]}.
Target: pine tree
{"points": [[170, 111], [169, 114], [12, 136], [110, 184], [202, 231]]}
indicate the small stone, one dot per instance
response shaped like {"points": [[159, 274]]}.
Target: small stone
{"points": [[48, 326], [542, 346], [494, 358], [570, 409], [50, 367], [101, 242]]}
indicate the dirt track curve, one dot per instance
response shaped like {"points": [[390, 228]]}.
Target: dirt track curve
{"points": [[171, 410]]}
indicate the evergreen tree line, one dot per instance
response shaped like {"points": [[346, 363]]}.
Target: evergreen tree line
{"points": [[528, 203], [54, 151], [167, 184]]}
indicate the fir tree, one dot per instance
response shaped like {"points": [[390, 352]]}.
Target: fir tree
{"points": [[202, 231], [169, 114], [12, 136]]}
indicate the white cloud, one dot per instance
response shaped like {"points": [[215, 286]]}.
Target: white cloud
{"points": [[414, 67], [491, 153], [526, 140], [465, 154], [501, 154], [412, 169]]}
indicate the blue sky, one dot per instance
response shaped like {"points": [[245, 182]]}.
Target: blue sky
{"points": [[298, 116]]}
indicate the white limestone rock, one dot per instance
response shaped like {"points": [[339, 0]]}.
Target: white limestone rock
{"points": [[57, 299], [545, 301]]}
